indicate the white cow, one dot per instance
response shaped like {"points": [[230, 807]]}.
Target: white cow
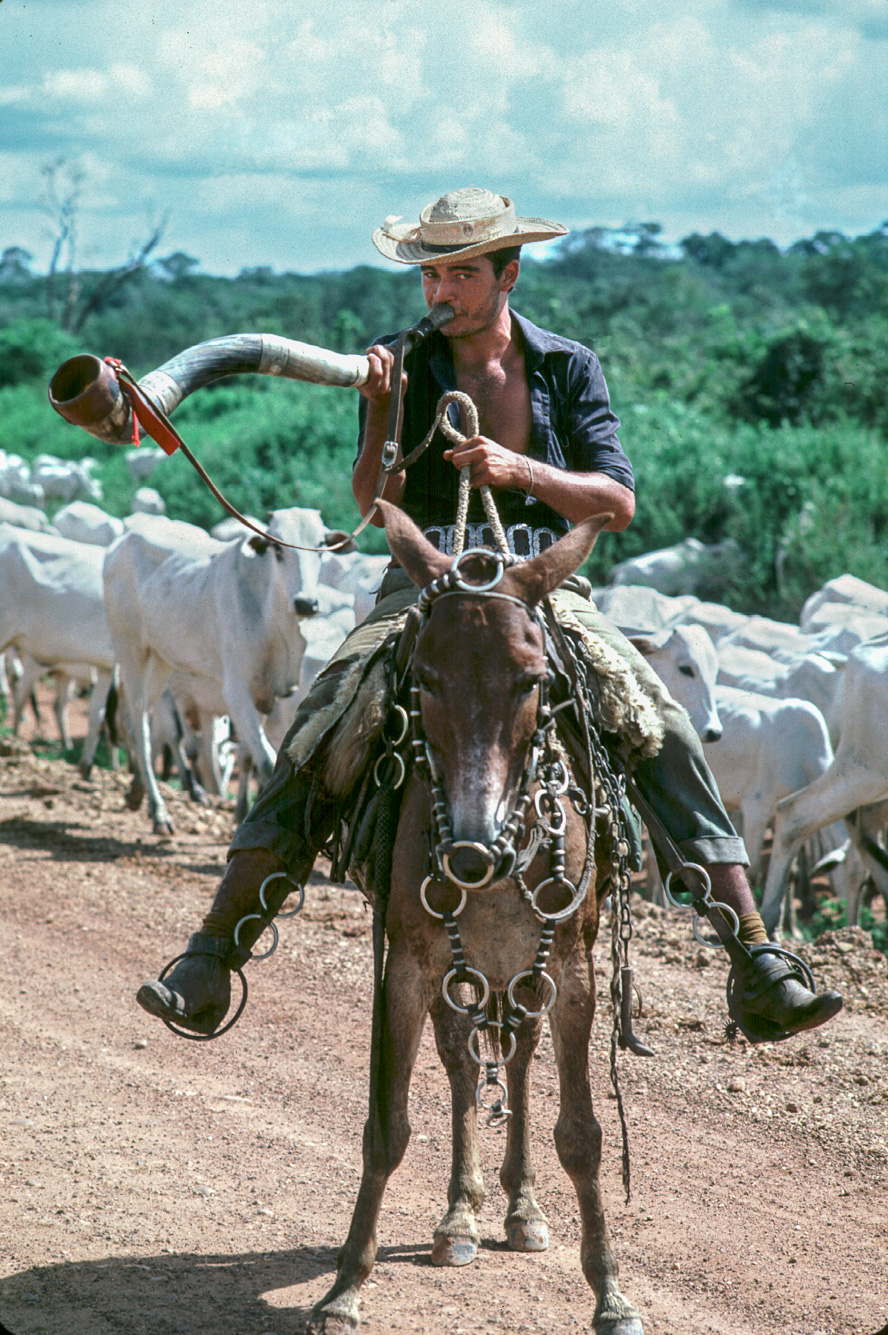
{"points": [[142, 461], [53, 609], [721, 622], [638, 609], [64, 480], [685, 568], [24, 516], [770, 637], [817, 678], [685, 660], [845, 589], [768, 749], [857, 778], [83, 522], [148, 501], [227, 611], [357, 574], [840, 627]]}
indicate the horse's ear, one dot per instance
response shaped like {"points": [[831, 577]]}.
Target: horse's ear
{"points": [[533, 579], [411, 548]]}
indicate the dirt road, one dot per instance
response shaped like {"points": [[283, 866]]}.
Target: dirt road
{"points": [[152, 1186]]}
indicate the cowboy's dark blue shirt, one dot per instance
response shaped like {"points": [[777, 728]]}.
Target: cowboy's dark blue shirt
{"points": [[573, 427]]}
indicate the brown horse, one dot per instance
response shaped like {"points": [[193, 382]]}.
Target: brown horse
{"points": [[480, 672]]}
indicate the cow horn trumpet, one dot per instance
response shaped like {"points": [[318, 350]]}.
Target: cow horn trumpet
{"points": [[85, 390]]}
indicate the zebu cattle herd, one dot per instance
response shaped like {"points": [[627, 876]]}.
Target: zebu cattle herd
{"points": [[190, 627], [212, 639]]}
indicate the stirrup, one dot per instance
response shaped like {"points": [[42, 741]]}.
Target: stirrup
{"points": [[190, 1033], [756, 1029]]}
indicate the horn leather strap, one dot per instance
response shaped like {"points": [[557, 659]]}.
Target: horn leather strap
{"points": [[158, 426]]}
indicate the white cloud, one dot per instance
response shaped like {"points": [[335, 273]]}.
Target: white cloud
{"points": [[703, 109]]}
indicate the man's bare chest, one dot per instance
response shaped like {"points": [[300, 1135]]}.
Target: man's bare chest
{"points": [[502, 398]]}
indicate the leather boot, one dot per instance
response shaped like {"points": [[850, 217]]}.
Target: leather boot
{"points": [[772, 998], [196, 993]]}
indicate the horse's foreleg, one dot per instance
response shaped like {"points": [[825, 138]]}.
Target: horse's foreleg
{"points": [[456, 1237], [386, 1133], [525, 1222], [578, 1142]]}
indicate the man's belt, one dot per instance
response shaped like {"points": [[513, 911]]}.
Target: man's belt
{"points": [[524, 541]]}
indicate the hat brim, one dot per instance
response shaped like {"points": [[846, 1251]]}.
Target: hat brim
{"points": [[417, 252]]}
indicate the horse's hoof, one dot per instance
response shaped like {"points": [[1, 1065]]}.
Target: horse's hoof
{"points": [[165, 828], [621, 1325], [453, 1251], [330, 1325], [528, 1235]]}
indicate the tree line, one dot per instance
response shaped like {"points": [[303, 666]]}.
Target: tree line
{"points": [[752, 382]]}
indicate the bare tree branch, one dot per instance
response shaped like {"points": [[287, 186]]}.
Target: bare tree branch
{"points": [[115, 278]]}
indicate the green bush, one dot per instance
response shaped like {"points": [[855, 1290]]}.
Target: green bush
{"points": [[33, 347]]}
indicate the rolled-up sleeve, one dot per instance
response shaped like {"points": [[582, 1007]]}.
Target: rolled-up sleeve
{"points": [[592, 425]]}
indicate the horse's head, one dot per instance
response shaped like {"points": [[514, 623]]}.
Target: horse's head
{"points": [[479, 661]]}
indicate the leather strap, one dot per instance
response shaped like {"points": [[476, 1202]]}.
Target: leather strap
{"points": [[158, 426]]}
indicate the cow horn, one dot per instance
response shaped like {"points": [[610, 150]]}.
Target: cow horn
{"points": [[85, 390]]}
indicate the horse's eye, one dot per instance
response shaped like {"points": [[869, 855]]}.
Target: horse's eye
{"points": [[428, 683], [527, 684], [685, 670]]}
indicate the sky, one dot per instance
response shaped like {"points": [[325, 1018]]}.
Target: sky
{"points": [[268, 135]]}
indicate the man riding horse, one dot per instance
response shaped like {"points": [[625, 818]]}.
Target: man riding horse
{"points": [[547, 446]]}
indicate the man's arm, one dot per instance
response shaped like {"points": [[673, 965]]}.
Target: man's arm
{"points": [[576, 496], [378, 393]]}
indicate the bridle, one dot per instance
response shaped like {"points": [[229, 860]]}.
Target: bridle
{"points": [[504, 851]]}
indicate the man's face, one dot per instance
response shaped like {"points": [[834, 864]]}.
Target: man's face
{"points": [[472, 289]]}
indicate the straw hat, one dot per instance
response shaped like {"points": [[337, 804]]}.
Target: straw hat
{"points": [[461, 224]]}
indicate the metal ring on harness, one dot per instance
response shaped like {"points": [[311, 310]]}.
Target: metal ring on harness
{"points": [[453, 913], [575, 901], [735, 926], [496, 1106], [464, 1010], [463, 584], [217, 1033], [478, 848], [249, 917], [401, 776], [678, 871], [291, 913], [528, 973], [504, 1056], [401, 713], [540, 798]]}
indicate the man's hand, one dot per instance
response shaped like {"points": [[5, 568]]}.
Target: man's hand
{"points": [[378, 387], [492, 465]]}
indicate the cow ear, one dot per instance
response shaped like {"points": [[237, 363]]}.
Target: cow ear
{"points": [[533, 580], [411, 548], [342, 541]]}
